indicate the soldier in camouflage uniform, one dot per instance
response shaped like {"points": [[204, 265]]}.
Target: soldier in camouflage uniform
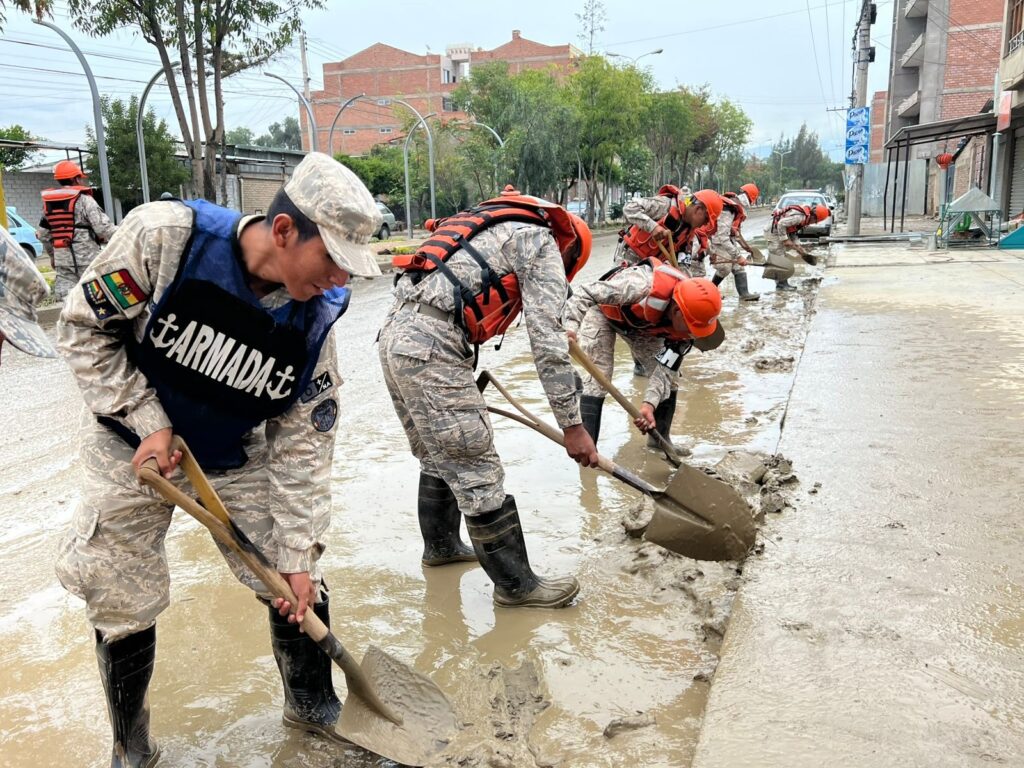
{"points": [[428, 368], [782, 232], [21, 289], [92, 228], [658, 311], [728, 245], [199, 322]]}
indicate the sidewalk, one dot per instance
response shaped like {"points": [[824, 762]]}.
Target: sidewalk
{"points": [[884, 623]]}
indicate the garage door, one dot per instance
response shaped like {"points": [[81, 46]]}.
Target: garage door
{"points": [[1017, 180]]}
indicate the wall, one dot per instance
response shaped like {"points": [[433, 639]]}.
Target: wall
{"points": [[22, 191]]}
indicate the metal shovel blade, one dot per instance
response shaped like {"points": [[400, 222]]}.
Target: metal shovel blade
{"points": [[701, 517], [428, 720]]}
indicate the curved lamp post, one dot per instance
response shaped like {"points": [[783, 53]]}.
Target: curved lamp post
{"points": [[313, 147], [139, 137], [97, 116], [634, 59], [494, 133], [430, 153], [334, 123], [405, 159]]}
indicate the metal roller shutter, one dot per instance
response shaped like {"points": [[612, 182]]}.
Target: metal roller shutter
{"points": [[1017, 178]]}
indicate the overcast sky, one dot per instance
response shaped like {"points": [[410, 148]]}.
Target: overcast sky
{"points": [[783, 62]]}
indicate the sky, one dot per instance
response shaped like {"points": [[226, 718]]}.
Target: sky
{"points": [[784, 62]]}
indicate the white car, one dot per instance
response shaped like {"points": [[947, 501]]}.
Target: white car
{"points": [[389, 221]]}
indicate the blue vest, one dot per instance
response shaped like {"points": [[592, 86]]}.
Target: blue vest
{"points": [[220, 362]]}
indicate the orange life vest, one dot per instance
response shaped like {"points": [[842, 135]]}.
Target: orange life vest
{"points": [[778, 215], [59, 210], [643, 243], [731, 201], [491, 311], [650, 314]]}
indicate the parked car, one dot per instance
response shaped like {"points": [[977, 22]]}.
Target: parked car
{"points": [[808, 197], [24, 233], [389, 221], [579, 207]]}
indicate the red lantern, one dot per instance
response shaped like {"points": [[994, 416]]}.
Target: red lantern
{"points": [[944, 160]]}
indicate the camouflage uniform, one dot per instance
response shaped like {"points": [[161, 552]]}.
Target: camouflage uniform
{"points": [[428, 364], [597, 334], [113, 556], [779, 236], [726, 253], [644, 212], [91, 224]]}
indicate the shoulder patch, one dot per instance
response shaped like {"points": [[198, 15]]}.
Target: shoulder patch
{"points": [[123, 288], [97, 300], [324, 415], [317, 387]]}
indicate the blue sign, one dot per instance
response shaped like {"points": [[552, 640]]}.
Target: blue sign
{"points": [[858, 135]]}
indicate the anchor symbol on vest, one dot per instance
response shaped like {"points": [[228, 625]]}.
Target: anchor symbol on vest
{"points": [[167, 325], [283, 377]]}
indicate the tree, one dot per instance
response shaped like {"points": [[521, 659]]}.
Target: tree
{"points": [[732, 128], [287, 135], [165, 171], [670, 129], [240, 137], [221, 38], [381, 171], [13, 158], [591, 20], [38, 7], [807, 166]]}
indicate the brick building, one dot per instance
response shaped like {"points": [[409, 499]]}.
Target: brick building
{"points": [[385, 73], [878, 106]]}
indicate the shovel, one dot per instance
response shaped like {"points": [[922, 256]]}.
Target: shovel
{"points": [[696, 515], [391, 710], [584, 359]]}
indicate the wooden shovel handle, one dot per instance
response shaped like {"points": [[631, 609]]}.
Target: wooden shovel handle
{"points": [[670, 256], [224, 531], [584, 359]]}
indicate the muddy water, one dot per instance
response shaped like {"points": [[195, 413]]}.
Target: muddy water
{"points": [[531, 687]]}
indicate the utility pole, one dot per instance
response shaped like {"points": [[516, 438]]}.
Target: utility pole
{"points": [[305, 88], [862, 57]]}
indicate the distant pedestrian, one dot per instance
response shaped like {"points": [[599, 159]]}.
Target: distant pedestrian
{"points": [[21, 290], [73, 226]]}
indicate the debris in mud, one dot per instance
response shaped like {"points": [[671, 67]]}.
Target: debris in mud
{"points": [[624, 724], [638, 517], [776, 483], [774, 364], [751, 345], [816, 488], [772, 501], [895, 525], [739, 467], [751, 421]]}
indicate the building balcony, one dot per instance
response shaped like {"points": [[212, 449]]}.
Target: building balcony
{"points": [[910, 106], [1011, 68], [915, 9], [913, 57]]}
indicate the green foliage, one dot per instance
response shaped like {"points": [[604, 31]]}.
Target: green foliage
{"points": [[286, 135], [10, 159], [166, 172], [806, 166], [381, 171], [39, 8], [591, 19], [240, 137]]}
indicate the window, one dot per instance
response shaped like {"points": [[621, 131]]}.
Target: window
{"points": [[1015, 26], [348, 131], [446, 76], [386, 130], [383, 102], [447, 105]]}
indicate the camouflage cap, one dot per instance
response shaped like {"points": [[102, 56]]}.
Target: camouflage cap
{"points": [[21, 289], [342, 208]]}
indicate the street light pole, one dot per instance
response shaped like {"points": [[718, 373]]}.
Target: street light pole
{"points": [[313, 147], [330, 133], [139, 137], [430, 151], [405, 160], [634, 59], [97, 116], [782, 156]]}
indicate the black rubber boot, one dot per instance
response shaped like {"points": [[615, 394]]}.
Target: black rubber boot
{"points": [[717, 279], [590, 409], [663, 420], [783, 285], [126, 667], [310, 701], [439, 523], [498, 539], [639, 369], [742, 288]]}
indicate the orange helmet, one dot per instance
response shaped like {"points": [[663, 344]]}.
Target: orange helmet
{"points": [[713, 202], [700, 302], [65, 169], [821, 212], [751, 191], [579, 251]]}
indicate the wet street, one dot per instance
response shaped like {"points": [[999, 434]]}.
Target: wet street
{"points": [[531, 687]]}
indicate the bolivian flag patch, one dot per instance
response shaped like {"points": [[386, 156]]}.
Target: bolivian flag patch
{"points": [[123, 288]]}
